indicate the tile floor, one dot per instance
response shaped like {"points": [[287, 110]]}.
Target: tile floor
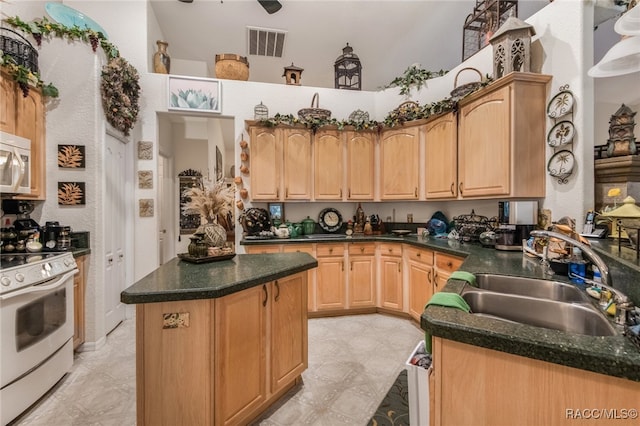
{"points": [[353, 360]]}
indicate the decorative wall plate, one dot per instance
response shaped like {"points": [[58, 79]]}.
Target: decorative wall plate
{"points": [[330, 219], [70, 17], [561, 164], [562, 133], [561, 104]]}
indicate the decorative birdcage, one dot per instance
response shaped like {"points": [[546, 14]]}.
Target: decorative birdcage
{"points": [[348, 70], [260, 112], [483, 22], [293, 74], [19, 48]]}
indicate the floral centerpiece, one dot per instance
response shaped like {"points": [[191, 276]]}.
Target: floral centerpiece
{"points": [[214, 203]]}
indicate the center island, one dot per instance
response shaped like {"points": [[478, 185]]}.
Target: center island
{"points": [[219, 343]]}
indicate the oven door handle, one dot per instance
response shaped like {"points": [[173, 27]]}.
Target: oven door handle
{"points": [[38, 288]]}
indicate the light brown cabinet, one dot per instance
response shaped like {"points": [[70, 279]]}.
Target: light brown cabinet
{"points": [[24, 116], [501, 133], [362, 275], [419, 264], [391, 283], [331, 277], [328, 155], [280, 166], [445, 265], [262, 249], [311, 273], [360, 165], [79, 282], [441, 157], [400, 163], [228, 360]]}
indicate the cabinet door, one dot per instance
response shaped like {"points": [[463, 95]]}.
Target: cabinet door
{"points": [[484, 145], [445, 265], [420, 287], [266, 164], [328, 162], [311, 273], [297, 164], [78, 303], [399, 164], [441, 157], [240, 354], [289, 357], [362, 276], [330, 277], [30, 124], [391, 282], [7, 104], [360, 165]]}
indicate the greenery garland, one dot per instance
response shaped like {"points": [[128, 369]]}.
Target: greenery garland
{"points": [[413, 76], [120, 87]]}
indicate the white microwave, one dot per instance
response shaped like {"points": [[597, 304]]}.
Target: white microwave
{"points": [[15, 164]]}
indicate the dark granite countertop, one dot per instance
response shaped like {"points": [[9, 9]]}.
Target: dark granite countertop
{"points": [[611, 355], [180, 280], [81, 252]]}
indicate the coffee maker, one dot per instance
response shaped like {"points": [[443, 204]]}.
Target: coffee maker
{"points": [[516, 220], [56, 237]]}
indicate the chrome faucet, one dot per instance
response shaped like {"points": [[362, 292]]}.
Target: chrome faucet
{"points": [[623, 303]]}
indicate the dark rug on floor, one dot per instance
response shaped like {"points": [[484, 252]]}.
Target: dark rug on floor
{"points": [[394, 408]]}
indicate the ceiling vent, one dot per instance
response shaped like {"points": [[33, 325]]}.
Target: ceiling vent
{"points": [[265, 42]]}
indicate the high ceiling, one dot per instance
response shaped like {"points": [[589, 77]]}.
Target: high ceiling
{"points": [[388, 36]]}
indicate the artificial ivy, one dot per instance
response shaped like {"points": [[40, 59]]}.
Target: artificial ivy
{"points": [[413, 76], [119, 88]]}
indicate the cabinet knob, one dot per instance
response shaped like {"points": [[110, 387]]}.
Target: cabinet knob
{"points": [[418, 254], [449, 264], [453, 185], [361, 249], [330, 250], [416, 192], [460, 187]]}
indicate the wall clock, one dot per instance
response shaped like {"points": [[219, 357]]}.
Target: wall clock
{"points": [[330, 219], [71, 17]]}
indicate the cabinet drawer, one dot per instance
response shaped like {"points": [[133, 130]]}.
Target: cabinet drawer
{"points": [[419, 255], [330, 250], [446, 262], [390, 249], [362, 249], [260, 249], [302, 248]]}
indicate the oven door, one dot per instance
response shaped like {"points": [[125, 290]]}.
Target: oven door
{"points": [[36, 322]]}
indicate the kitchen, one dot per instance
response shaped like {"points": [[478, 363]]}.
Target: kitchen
{"points": [[142, 228]]}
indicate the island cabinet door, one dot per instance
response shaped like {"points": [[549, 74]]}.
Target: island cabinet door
{"points": [[174, 342], [289, 356], [240, 355]]}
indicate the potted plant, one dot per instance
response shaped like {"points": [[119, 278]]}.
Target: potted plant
{"points": [[214, 203]]}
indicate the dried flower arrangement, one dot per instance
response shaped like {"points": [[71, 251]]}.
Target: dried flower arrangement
{"points": [[210, 201]]}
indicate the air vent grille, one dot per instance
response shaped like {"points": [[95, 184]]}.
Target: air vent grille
{"points": [[265, 42]]}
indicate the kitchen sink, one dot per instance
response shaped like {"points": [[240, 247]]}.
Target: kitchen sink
{"points": [[324, 236], [533, 287], [578, 318]]}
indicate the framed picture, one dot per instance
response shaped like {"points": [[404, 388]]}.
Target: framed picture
{"points": [[194, 94], [276, 210], [71, 156], [71, 194]]}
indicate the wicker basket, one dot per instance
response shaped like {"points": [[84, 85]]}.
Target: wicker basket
{"points": [[314, 113], [230, 66], [460, 92], [19, 49]]}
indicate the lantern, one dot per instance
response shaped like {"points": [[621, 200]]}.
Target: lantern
{"points": [[621, 138], [512, 47], [293, 74], [260, 112], [348, 70]]}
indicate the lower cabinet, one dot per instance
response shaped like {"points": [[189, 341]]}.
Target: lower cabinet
{"points": [[227, 361], [419, 264], [362, 275], [445, 265], [330, 277], [390, 263], [311, 273], [79, 282]]}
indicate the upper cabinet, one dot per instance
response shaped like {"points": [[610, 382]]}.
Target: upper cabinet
{"points": [[400, 163], [24, 116], [501, 139], [441, 157], [280, 163], [361, 165]]}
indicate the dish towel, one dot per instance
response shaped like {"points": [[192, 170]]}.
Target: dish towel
{"points": [[449, 300], [464, 276]]}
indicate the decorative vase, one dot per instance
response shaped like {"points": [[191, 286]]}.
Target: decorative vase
{"points": [[161, 59], [214, 234], [193, 245], [232, 67]]}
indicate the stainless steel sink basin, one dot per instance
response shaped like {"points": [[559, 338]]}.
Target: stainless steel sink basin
{"points": [[323, 236], [533, 287], [579, 318]]}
